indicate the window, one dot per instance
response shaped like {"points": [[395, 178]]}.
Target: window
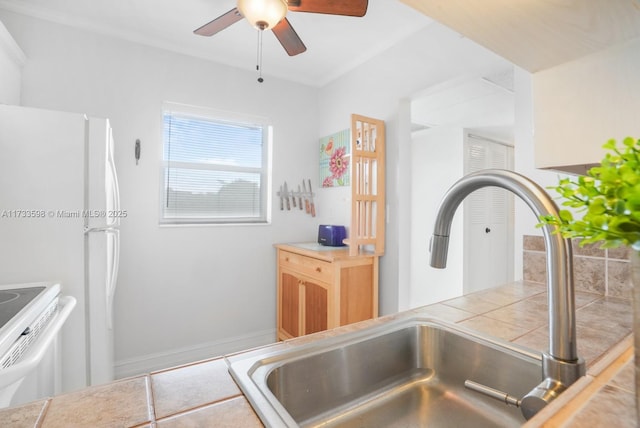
{"points": [[215, 167]]}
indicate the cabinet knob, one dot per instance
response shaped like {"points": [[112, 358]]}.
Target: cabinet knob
{"points": [[318, 269], [286, 259]]}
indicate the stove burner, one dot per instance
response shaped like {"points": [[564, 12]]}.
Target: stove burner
{"points": [[13, 300], [8, 296]]}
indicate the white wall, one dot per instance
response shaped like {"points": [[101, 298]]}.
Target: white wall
{"points": [[437, 161], [11, 61], [192, 291], [381, 88]]}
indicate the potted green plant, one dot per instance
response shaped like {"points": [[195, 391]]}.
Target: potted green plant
{"points": [[608, 198]]}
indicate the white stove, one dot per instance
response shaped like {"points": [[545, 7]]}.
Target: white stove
{"points": [[31, 316], [13, 300]]}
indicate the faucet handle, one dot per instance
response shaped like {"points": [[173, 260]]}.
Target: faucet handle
{"points": [[547, 391], [531, 403]]}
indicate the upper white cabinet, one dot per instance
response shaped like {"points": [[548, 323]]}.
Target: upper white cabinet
{"points": [[579, 105], [11, 61]]}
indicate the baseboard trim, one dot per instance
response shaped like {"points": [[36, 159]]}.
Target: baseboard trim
{"points": [[158, 361]]}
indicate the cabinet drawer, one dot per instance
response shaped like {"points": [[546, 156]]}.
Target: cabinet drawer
{"points": [[314, 268]]}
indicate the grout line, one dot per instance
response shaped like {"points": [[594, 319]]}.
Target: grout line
{"points": [[43, 412], [200, 407], [586, 256], [151, 401]]}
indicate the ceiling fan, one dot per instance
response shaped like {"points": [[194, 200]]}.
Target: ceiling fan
{"points": [[270, 14]]}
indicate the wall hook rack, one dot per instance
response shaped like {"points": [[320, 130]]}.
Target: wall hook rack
{"points": [[296, 199]]}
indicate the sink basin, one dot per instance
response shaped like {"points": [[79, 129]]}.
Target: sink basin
{"points": [[407, 373]]}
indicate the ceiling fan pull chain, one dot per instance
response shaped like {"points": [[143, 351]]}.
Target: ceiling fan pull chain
{"points": [[259, 59]]}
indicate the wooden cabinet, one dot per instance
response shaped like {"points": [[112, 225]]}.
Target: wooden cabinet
{"points": [[321, 288]]}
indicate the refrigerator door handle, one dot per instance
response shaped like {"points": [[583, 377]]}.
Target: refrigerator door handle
{"points": [[112, 179], [113, 276], [116, 187]]}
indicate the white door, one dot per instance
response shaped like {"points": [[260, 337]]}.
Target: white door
{"points": [[488, 219]]}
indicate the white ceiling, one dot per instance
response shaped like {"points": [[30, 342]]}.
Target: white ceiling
{"points": [[335, 44], [475, 103], [540, 34]]}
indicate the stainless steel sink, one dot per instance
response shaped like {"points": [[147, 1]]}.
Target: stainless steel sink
{"points": [[407, 373]]}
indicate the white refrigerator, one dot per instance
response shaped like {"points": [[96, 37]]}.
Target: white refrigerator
{"points": [[59, 221]]}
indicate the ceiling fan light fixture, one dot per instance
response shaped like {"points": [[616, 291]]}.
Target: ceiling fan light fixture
{"points": [[263, 14]]}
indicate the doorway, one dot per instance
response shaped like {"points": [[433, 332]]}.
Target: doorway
{"points": [[488, 218], [461, 126]]}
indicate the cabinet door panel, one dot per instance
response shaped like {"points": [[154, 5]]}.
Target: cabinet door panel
{"points": [[315, 308], [356, 297], [290, 301]]}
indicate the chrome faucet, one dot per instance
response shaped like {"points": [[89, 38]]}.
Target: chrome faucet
{"points": [[561, 365]]}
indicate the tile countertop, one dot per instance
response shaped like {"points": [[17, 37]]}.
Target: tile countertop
{"points": [[203, 394]]}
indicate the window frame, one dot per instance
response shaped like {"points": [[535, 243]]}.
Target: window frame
{"points": [[265, 170]]}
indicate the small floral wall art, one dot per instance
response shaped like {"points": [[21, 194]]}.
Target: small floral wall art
{"points": [[335, 152]]}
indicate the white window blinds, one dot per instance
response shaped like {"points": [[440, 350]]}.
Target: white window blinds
{"points": [[214, 170]]}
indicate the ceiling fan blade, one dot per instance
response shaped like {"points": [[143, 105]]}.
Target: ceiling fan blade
{"points": [[288, 38], [220, 23], [330, 7]]}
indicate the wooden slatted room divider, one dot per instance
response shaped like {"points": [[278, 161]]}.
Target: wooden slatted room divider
{"points": [[367, 185]]}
